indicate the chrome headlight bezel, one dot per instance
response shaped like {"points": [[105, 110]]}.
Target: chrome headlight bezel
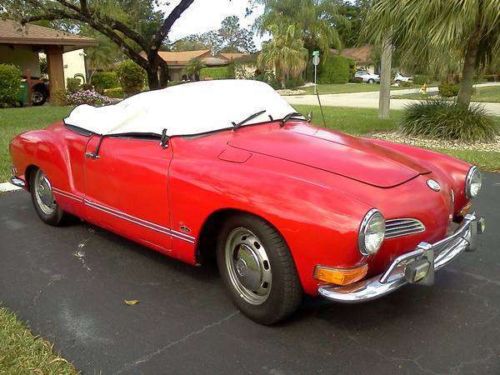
{"points": [[473, 178], [371, 221]]}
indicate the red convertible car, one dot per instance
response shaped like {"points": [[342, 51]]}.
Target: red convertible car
{"points": [[229, 169]]}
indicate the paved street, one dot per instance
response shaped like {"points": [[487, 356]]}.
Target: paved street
{"points": [[370, 99], [69, 284]]}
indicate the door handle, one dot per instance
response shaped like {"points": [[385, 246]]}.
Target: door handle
{"points": [[91, 155]]}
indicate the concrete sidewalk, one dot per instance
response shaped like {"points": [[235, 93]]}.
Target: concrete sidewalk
{"points": [[370, 99]]}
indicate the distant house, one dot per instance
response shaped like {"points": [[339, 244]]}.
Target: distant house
{"points": [[362, 56], [177, 61], [21, 45]]}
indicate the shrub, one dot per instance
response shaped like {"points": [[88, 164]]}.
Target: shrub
{"points": [[59, 98], [73, 84], [335, 69], [448, 90], [492, 77], [116, 92], [217, 72], [87, 97], [293, 83], [10, 83], [444, 119], [131, 77], [104, 80], [420, 79], [270, 79]]}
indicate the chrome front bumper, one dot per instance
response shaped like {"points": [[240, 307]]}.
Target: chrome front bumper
{"points": [[399, 273]]}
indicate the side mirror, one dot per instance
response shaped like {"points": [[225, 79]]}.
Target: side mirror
{"points": [[164, 139], [309, 116]]}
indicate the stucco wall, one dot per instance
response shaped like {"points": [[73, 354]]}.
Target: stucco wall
{"points": [[74, 63], [21, 56]]}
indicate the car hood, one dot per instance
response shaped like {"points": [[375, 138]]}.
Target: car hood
{"points": [[341, 154]]}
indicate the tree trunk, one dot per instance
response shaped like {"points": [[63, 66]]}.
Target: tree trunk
{"points": [[470, 64], [384, 98], [153, 81], [163, 74]]}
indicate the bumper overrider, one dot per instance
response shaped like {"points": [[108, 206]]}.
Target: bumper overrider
{"points": [[417, 266]]}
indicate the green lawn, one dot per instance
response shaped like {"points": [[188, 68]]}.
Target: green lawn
{"points": [[345, 88], [356, 121], [483, 94], [23, 353], [359, 121], [17, 120]]}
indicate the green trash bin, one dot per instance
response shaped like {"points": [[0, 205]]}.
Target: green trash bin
{"points": [[23, 93]]}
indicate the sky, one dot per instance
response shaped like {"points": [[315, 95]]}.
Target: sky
{"points": [[206, 15]]}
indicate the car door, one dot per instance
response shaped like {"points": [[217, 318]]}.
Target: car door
{"points": [[126, 188]]}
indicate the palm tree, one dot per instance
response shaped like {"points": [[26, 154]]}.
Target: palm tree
{"points": [[192, 69], [284, 53], [314, 20], [426, 30]]}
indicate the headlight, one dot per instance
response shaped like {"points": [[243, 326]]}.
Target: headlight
{"points": [[473, 183], [371, 232]]}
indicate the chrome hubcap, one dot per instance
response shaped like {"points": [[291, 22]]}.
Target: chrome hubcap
{"points": [[248, 265], [43, 194]]}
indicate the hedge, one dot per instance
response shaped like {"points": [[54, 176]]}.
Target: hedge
{"points": [[10, 83], [335, 69], [131, 77], [217, 72], [104, 80]]}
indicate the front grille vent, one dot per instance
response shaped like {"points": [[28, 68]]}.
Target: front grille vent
{"points": [[402, 227]]}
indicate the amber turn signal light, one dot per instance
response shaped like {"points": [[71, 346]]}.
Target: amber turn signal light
{"points": [[340, 276]]}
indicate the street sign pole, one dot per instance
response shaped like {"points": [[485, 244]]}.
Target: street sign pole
{"points": [[315, 61], [315, 76]]}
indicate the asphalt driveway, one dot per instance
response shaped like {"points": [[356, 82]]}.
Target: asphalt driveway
{"points": [[70, 284]]}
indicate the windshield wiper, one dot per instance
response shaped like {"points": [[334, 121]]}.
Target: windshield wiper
{"points": [[251, 117], [292, 115]]}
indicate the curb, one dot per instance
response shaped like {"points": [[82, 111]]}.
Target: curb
{"points": [[7, 186]]}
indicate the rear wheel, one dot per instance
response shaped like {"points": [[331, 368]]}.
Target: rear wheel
{"points": [[257, 269], [43, 199]]}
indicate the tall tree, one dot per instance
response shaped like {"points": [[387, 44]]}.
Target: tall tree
{"points": [[315, 21], [230, 37], [424, 30], [134, 26], [354, 12], [284, 53], [234, 38]]}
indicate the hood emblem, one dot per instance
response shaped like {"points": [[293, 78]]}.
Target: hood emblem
{"points": [[434, 185]]}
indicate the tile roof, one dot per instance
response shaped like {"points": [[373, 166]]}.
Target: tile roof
{"points": [[12, 32], [182, 57], [359, 54]]}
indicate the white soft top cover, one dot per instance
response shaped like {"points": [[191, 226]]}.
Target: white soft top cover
{"points": [[186, 109]]}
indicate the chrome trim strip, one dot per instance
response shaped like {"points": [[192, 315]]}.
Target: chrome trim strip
{"points": [[67, 195], [444, 251], [141, 222], [127, 217], [403, 227]]}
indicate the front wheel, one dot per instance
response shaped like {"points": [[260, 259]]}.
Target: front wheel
{"points": [[257, 269], [371, 81], [43, 199]]}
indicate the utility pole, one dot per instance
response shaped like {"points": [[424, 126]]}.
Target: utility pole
{"points": [[384, 99]]}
